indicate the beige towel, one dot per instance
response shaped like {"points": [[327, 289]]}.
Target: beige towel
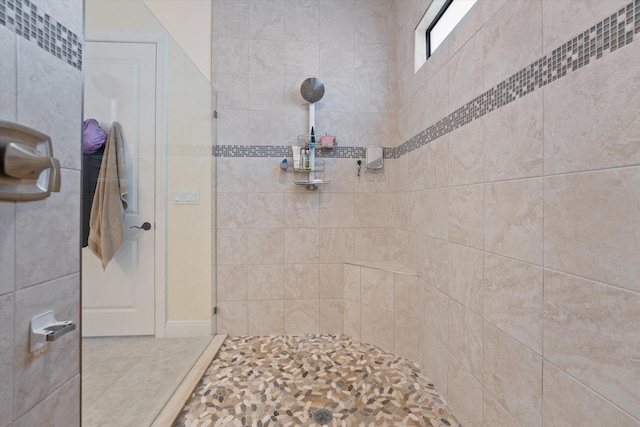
{"points": [[106, 223]]}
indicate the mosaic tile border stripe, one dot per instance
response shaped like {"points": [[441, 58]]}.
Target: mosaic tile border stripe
{"points": [[23, 18], [608, 35], [284, 151]]}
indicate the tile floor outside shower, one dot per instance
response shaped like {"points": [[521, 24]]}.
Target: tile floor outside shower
{"points": [[127, 380], [312, 380]]}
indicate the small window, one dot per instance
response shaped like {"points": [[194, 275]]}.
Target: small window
{"points": [[436, 24]]}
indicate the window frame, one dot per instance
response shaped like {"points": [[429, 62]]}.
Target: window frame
{"points": [[434, 22], [422, 33]]}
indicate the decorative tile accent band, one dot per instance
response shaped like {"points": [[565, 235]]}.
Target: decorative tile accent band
{"points": [[608, 35], [284, 151], [23, 18]]}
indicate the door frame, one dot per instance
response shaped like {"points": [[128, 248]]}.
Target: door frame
{"points": [[160, 39]]}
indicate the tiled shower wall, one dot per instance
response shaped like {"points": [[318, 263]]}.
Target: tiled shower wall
{"points": [[40, 86], [522, 215], [280, 247]]}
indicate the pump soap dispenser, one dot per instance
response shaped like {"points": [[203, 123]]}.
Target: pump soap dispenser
{"points": [[28, 170]]}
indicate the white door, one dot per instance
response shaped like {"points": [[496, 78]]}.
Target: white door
{"points": [[120, 84]]}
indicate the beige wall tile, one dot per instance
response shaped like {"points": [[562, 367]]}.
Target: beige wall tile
{"points": [[407, 336], [331, 280], [465, 276], [513, 376], [232, 318], [231, 20], [61, 361], [265, 128], [371, 22], [465, 73], [436, 263], [465, 338], [466, 207], [336, 58], [301, 281], [435, 360], [265, 246], [266, 21], [342, 173], [602, 130], [232, 246], [563, 20], [352, 319], [371, 244], [428, 212], [436, 165], [591, 333], [231, 210], [59, 409], [331, 316], [377, 287], [377, 327], [371, 210], [512, 40], [265, 210], [513, 219], [265, 282], [417, 168], [7, 247], [301, 209], [513, 299], [301, 245], [337, 244], [436, 313], [336, 210], [567, 402], [266, 57], [232, 283], [6, 365], [38, 259], [494, 415], [513, 140], [352, 282], [409, 296], [466, 154], [434, 102], [302, 316], [234, 130], [265, 317], [371, 66], [464, 394], [592, 225], [230, 171], [235, 96]]}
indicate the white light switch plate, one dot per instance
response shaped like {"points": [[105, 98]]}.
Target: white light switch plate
{"points": [[186, 197]]}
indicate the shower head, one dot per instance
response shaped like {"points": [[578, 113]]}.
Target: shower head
{"points": [[312, 90]]}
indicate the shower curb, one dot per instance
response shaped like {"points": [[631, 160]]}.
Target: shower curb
{"points": [[176, 402]]}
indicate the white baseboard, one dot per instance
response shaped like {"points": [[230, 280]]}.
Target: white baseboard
{"points": [[187, 328]]}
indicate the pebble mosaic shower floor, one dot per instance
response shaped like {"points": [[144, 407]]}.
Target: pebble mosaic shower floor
{"points": [[312, 380]]}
